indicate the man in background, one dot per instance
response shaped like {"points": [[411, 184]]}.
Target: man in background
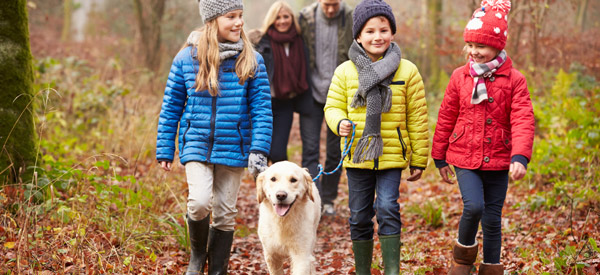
{"points": [[327, 31]]}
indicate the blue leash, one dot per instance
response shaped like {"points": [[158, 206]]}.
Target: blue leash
{"points": [[345, 152]]}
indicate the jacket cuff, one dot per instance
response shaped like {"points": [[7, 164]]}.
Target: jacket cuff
{"points": [[440, 163], [258, 152], [338, 126], [520, 159]]}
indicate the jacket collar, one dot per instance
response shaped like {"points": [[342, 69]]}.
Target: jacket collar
{"points": [[503, 70]]}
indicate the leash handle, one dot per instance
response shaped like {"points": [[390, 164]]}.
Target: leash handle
{"points": [[345, 152]]}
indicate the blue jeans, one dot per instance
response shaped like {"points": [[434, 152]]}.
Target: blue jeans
{"points": [[483, 194], [373, 192]]}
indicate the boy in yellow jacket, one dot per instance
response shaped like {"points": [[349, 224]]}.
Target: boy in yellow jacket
{"points": [[383, 95]]}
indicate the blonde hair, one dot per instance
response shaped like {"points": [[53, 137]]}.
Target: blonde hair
{"points": [[272, 16], [209, 60]]}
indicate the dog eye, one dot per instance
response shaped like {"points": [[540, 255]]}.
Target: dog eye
{"points": [[293, 180], [273, 179]]}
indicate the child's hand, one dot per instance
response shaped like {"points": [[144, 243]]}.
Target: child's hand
{"points": [[257, 163], [415, 174], [444, 172], [165, 165], [345, 128], [517, 171]]}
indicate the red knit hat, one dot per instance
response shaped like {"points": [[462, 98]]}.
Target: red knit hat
{"points": [[489, 24]]}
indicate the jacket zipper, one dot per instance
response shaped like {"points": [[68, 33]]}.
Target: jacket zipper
{"points": [[185, 133], [402, 143], [213, 118], [241, 138]]}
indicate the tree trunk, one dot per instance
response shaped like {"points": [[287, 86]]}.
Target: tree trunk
{"points": [[66, 29], [580, 20], [539, 14], [434, 11], [519, 25], [17, 134], [149, 14]]}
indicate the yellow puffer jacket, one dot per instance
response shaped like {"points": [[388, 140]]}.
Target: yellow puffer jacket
{"points": [[404, 128]]}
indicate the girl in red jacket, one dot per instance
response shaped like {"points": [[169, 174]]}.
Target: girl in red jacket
{"points": [[485, 130]]}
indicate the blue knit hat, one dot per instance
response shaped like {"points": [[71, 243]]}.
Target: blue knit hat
{"points": [[368, 9]]}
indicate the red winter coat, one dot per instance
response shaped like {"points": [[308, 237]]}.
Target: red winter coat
{"points": [[485, 136]]}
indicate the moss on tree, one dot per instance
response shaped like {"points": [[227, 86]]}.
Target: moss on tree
{"points": [[17, 134]]}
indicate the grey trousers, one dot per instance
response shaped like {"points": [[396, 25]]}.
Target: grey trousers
{"points": [[213, 187]]}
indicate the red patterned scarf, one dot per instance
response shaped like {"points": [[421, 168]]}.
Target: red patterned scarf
{"points": [[289, 76], [479, 72]]}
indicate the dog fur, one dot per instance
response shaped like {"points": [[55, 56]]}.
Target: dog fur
{"points": [[289, 214]]}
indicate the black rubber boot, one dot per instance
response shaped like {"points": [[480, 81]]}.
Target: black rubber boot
{"points": [[198, 231], [390, 247], [219, 250], [363, 254]]}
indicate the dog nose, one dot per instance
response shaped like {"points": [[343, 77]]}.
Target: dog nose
{"points": [[281, 195]]}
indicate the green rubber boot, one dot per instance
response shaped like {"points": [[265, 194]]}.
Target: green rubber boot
{"points": [[390, 248], [363, 254]]}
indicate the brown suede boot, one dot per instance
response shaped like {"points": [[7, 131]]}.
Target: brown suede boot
{"points": [[491, 269], [464, 257]]}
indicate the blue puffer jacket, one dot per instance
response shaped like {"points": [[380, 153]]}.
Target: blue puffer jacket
{"points": [[219, 130]]}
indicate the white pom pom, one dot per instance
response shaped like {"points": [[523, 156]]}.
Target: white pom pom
{"points": [[474, 24], [497, 30], [500, 5]]}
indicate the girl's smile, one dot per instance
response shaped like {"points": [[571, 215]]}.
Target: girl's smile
{"points": [[230, 26], [481, 53]]}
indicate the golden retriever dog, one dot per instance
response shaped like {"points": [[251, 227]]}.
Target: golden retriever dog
{"points": [[289, 214]]}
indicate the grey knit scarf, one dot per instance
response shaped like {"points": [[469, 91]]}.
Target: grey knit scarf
{"points": [[227, 50], [374, 92]]}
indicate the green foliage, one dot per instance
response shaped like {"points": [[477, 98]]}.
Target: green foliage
{"points": [[566, 150], [431, 213], [76, 102], [85, 182], [566, 156]]}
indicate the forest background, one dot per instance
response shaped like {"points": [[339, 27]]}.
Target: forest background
{"points": [[92, 199]]}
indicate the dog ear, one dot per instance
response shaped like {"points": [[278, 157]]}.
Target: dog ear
{"points": [[260, 193], [308, 182]]}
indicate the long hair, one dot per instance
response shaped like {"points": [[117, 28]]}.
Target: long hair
{"points": [[209, 61], [272, 16]]}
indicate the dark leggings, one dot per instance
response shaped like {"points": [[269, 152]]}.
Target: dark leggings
{"points": [[483, 194]]}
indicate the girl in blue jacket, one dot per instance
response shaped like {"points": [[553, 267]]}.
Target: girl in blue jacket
{"points": [[218, 101]]}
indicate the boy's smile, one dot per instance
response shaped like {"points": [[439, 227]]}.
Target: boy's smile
{"points": [[376, 37]]}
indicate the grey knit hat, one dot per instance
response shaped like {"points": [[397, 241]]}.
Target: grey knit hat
{"points": [[367, 9], [211, 9]]}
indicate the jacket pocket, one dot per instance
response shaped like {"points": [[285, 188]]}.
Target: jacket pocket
{"points": [[402, 143], [457, 134], [506, 139], [239, 130]]}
